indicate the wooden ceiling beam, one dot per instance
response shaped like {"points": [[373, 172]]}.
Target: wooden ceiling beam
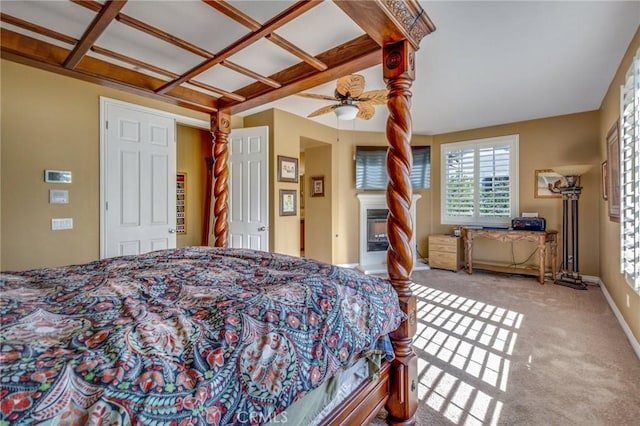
{"points": [[220, 92], [100, 23], [294, 50], [274, 23], [254, 75], [27, 50], [148, 29], [246, 20], [356, 55], [37, 29]]}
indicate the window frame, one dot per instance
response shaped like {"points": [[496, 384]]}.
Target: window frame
{"points": [[629, 153], [476, 144], [381, 152]]}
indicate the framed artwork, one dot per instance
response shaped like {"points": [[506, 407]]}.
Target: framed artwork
{"points": [[605, 183], [613, 173], [547, 179], [288, 205], [317, 186], [181, 203], [287, 169]]}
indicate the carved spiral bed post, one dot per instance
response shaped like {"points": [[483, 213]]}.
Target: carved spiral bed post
{"points": [[220, 128], [398, 63]]}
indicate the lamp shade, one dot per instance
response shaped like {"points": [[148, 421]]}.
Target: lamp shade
{"points": [[346, 112], [572, 170]]}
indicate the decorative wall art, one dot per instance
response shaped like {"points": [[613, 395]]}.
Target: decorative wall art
{"points": [[605, 181], [613, 173], [547, 179], [181, 202], [288, 203], [287, 169], [317, 186]]}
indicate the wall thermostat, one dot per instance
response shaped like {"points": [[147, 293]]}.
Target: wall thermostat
{"points": [[57, 176]]}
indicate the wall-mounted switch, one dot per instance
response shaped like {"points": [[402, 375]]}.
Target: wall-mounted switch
{"points": [[62, 223], [58, 196]]}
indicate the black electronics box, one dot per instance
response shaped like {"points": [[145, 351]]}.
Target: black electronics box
{"points": [[528, 223]]}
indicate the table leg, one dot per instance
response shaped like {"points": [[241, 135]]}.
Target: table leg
{"points": [[468, 253], [554, 257], [542, 249]]}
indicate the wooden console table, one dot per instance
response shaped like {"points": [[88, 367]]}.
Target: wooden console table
{"points": [[508, 235]]}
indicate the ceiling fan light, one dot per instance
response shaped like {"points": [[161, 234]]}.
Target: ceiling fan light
{"points": [[346, 112]]}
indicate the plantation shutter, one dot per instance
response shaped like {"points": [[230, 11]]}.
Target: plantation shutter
{"points": [[630, 175], [495, 188], [459, 191], [479, 181]]}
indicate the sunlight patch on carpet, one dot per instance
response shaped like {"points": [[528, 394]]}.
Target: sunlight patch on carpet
{"points": [[464, 347]]}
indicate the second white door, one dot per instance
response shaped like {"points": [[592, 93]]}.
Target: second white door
{"points": [[249, 188]]}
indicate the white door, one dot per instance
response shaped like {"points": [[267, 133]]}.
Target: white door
{"points": [[249, 188], [139, 190]]}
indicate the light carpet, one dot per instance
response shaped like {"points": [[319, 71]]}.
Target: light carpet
{"points": [[503, 349]]}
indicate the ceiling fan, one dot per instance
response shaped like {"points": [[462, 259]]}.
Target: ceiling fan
{"points": [[353, 101]]}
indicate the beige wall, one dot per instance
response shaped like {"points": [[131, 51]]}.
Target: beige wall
{"points": [[194, 146], [318, 224], [609, 252], [52, 122], [544, 143]]}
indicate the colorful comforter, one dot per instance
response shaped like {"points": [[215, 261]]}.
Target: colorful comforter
{"points": [[184, 336]]}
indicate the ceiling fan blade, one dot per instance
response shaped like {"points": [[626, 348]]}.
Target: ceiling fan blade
{"points": [[315, 96], [379, 96], [366, 110], [350, 86], [322, 110]]}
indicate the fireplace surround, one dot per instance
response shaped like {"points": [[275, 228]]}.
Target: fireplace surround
{"points": [[373, 233]]}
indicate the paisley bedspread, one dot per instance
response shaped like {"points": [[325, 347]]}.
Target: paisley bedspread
{"points": [[194, 335]]}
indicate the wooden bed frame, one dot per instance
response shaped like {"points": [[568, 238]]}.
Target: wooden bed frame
{"points": [[394, 30], [398, 26]]}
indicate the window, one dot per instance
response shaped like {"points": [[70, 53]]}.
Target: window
{"points": [[480, 181], [371, 167], [630, 175]]}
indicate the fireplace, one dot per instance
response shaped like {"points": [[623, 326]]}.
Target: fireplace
{"points": [[373, 233], [377, 230]]}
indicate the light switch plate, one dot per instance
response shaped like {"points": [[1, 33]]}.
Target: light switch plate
{"points": [[62, 223], [58, 196]]}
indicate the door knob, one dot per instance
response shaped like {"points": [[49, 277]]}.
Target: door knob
{"points": [[172, 230], [262, 228]]}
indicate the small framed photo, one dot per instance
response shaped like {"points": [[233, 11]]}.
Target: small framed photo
{"points": [[287, 169], [317, 186], [548, 184], [288, 204]]}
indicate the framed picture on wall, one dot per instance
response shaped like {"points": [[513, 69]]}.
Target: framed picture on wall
{"points": [[288, 204], [287, 169], [317, 186], [546, 181], [605, 181], [613, 173], [181, 203]]}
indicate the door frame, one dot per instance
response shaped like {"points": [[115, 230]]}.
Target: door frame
{"points": [[104, 102]]}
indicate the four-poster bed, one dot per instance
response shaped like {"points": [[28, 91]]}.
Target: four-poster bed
{"points": [[393, 31]]}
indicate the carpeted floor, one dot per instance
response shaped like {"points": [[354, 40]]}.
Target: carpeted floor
{"points": [[503, 349]]}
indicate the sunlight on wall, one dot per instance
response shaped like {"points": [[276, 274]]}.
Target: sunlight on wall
{"points": [[468, 345]]}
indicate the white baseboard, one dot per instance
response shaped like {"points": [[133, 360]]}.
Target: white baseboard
{"points": [[625, 327]]}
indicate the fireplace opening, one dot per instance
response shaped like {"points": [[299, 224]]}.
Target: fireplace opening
{"points": [[377, 230]]}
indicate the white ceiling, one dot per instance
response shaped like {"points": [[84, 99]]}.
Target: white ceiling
{"points": [[491, 63]]}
